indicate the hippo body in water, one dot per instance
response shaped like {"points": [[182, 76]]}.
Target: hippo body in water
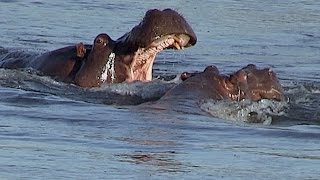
{"points": [[129, 58], [248, 83]]}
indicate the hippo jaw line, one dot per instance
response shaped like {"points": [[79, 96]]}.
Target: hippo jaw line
{"points": [[143, 59]]}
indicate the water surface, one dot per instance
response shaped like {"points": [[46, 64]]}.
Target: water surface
{"points": [[50, 130]]}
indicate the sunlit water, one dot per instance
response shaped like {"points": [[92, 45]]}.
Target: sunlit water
{"points": [[50, 130]]}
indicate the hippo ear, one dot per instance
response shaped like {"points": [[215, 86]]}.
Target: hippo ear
{"points": [[250, 66], [212, 69], [185, 75]]}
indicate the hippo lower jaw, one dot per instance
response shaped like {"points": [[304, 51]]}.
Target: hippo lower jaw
{"points": [[143, 59]]}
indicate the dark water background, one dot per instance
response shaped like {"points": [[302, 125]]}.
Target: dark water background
{"points": [[47, 131]]}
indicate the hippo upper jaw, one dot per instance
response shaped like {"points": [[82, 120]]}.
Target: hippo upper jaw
{"points": [[157, 31]]}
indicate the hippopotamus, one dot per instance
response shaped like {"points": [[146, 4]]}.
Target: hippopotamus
{"points": [[129, 58], [247, 83], [97, 66]]}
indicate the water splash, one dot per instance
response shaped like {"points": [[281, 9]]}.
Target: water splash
{"points": [[117, 93], [145, 90], [245, 110]]}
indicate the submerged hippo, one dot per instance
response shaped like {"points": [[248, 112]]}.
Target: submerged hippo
{"points": [[129, 58], [240, 94], [247, 83], [249, 95]]}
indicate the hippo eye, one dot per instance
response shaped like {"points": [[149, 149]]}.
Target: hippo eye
{"points": [[99, 41]]}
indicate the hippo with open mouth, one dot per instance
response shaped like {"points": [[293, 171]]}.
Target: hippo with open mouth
{"points": [[128, 58], [247, 83]]}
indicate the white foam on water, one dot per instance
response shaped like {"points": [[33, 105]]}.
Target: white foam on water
{"points": [[154, 88], [245, 110]]}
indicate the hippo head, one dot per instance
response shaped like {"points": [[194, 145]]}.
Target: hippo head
{"points": [[136, 50], [94, 69], [255, 84], [247, 83]]}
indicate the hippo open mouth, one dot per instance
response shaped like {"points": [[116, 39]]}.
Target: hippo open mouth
{"points": [[157, 31], [142, 63], [247, 83]]}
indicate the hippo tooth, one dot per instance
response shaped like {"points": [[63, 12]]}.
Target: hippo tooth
{"points": [[275, 90], [176, 45], [177, 40]]}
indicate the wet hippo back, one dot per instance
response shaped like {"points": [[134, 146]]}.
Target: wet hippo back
{"points": [[247, 83], [60, 64], [203, 85], [15, 60], [186, 96]]}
